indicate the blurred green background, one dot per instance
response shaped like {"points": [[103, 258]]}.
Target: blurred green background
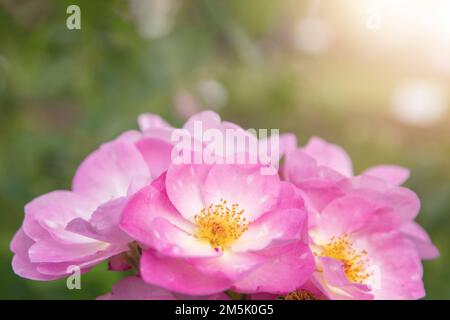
{"points": [[368, 75]]}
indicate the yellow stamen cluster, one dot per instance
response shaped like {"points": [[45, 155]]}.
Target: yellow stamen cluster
{"points": [[300, 294], [355, 263], [221, 224]]}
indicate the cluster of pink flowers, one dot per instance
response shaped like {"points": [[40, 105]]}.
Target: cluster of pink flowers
{"points": [[210, 231]]}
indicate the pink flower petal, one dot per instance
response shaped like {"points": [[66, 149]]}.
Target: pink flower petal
{"points": [[143, 208], [180, 276], [287, 268], [208, 119], [106, 174], [52, 251], [299, 166], [320, 193], [346, 215], [393, 175], [50, 213], [280, 225], [396, 205], [243, 185], [421, 239], [133, 288], [400, 268], [231, 265], [148, 121], [329, 155], [156, 153], [21, 263], [334, 276], [184, 184], [62, 269], [174, 242], [104, 223]]}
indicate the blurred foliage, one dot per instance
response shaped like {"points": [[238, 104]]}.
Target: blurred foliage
{"points": [[63, 92]]}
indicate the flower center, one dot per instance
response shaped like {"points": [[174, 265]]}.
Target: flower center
{"points": [[355, 262], [300, 294], [221, 224]]}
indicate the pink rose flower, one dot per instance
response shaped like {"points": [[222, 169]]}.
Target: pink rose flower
{"points": [[354, 259], [210, 228], [362, 228], [320, 170], [80, 227]]}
